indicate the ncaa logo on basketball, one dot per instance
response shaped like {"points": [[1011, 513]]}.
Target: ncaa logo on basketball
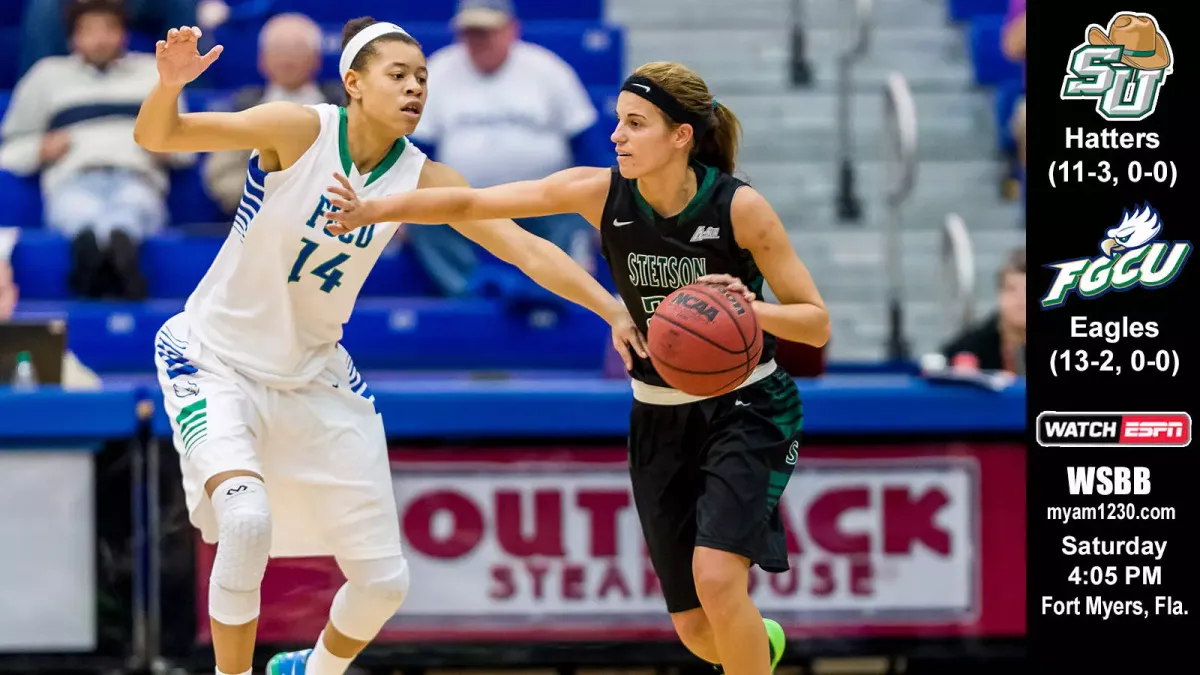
{"points": [[698, 305], [1121, 67]]}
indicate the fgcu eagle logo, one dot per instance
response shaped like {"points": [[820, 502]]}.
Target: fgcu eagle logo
{"points": [[1131, 258], [1121, 68]]}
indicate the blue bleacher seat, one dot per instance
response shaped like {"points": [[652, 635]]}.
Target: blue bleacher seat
{"points": [[597, 146], [143, 42], [605, 99], [988, 59], [11, 11], [174, 263], [8, 61], [593, 49], [40, 263], [962, 10], [1007, 95], [441, 11], [22, 200], [188, 202], [384, 334]]}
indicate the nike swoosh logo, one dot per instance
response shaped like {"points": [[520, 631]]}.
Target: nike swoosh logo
{"points": [[643, 87], [618, 223]]}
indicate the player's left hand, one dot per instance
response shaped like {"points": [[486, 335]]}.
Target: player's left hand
{"points": [[731, 283], [626, 336], [349, 212]]}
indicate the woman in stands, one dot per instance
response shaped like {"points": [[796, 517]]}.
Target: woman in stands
{"points": [[707, 473], [263, 399]]}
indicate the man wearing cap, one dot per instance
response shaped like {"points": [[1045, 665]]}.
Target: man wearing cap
{"points": [[500, 110]]}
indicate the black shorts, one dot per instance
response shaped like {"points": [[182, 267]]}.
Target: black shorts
{"points": [[710, 474]]}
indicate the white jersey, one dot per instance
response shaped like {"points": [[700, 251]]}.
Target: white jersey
{"points": [[273, 303]]}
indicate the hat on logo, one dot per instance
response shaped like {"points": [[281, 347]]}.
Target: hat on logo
{"points": [[1143, 45]]}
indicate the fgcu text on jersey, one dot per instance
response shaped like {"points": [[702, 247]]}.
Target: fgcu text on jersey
{"points": [[1121, 68], [1131, 257]]}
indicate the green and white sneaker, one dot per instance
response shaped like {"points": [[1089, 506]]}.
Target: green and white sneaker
{"points": [[777, 640]]}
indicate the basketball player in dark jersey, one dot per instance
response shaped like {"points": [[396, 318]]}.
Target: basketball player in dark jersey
{"points": [[707, 472]]}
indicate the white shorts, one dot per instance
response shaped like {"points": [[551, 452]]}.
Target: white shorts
{"points": [[320, 449]]}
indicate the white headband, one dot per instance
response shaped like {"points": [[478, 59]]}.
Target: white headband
{"points": [[359, 41]]}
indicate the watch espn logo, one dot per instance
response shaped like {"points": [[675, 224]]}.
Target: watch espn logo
{"points": [[1109, 429]]}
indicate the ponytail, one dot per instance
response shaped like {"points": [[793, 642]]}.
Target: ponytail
{"points": [[718, 147]]}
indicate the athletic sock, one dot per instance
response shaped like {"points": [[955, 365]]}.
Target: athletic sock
{"points": [[324, 662], [248, 672]]}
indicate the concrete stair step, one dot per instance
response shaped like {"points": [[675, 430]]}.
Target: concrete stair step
{"points": [[999, 217], [860, 329], [825, 14], [847, 273], [923, 278], [699, 13], [866, 252], [729, 59], [932, 58], [793, 187], [795, 125]]}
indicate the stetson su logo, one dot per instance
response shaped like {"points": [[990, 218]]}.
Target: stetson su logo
{"points": [[1122, 67]]}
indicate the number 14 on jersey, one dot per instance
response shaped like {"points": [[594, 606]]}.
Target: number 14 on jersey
{"points": [[327, 272]]}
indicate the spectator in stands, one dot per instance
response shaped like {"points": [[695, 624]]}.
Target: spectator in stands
{"points": [[1013, 43], [997, 343], [500, 110], [71, 118], [289, 58], [75, 375], [45, 34]]}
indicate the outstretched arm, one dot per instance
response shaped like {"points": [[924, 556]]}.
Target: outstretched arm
{"points": [[284, 128], [539, 259], [445, 197]]}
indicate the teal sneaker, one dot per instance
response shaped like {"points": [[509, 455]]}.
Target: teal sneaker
{"points": [[777, 640], [288, 663]]}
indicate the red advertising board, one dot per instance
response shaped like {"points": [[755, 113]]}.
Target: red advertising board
{"points": [[544, 544]]}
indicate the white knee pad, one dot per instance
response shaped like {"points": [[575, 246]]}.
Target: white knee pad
{"points": [[373, 591], [244, 526]]}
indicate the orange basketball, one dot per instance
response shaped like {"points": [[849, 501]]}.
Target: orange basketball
{"points": [[704, 340]]}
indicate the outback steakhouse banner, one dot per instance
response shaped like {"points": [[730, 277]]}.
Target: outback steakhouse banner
{"points": [[544, 543]]}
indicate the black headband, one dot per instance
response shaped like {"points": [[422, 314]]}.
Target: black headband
{"points": [[647, 89]]}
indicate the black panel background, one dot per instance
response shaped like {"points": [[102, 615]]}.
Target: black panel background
{"points": [[1068, 222]]}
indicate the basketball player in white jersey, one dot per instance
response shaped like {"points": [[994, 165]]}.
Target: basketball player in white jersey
{"points": [[281, 449]]}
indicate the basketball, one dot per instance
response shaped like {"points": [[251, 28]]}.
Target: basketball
{"points": [[704, 340]]}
